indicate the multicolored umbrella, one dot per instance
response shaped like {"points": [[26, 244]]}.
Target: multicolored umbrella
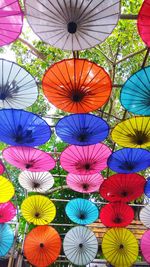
{"points": [[7, 212], [121, 187], [82, 211], [11, 21], [82, 129], [38, 210], [73, 25], [42, 246], [117, 214], [6, 239], [84, 183], [143, 22], [120, 247], [129, 160], [7, 190], [77, 85], [18, 89], [145, 216], [29, 158], [80, 245], [147, 187], [85, 160], [145, 244], [133, 132]]}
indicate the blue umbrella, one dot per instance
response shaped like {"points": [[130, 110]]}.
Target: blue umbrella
{"points": [[6, 239], [129, 160], [147, 187], [82, 129], [19, 127], [81, 211], [135, 93]]}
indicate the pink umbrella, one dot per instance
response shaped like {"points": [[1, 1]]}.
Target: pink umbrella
{"points": [[11, 21], [84, 183], [28, 158], [2, 168], [7, 212], [85, 159], [145, 245]]}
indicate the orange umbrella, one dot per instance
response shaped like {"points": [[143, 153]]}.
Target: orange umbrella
{"points": [[42, 246], [77, 85]]}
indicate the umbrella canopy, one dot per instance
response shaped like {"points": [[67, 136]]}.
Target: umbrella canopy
{"points": [[6, 239], [7, 212], [82, 211], [143, 22], [7, 190], [145, 216], [38, 210], [82, 129], [42, 246], [117, 214], [19, 127], [11, 21], [2, 167], [73, 25], [36, 181], [147, 187], [85, 159], [80, 245], [84, 183], [120, 247], [145, 244], [133, 132], [18, 89], [77, 85], [129, 160], [121, 187], [28, 158], [135, 93]]}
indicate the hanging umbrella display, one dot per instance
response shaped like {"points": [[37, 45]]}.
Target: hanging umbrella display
{"points": [[145, 244], [11, 21], [2, 167], [36, 181], [84, 183], [133, 132], [82, 129], [120, 247], [82, 211], [18, 89], [121, 187], [80, 245], [73, 25], [6, 239], [147, 187], [145, 216], [19, 127], [143, 22], [85, 159], [42, 246], [76, 85], [28, 158], [135, 93], [6, 190], [129, 160], [38, 210], [7, 212], [117, 214]]}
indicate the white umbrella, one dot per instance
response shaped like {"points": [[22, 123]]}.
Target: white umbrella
{"points": [[145, 216]]}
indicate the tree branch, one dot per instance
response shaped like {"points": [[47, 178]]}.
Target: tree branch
{"points": [[131, 55], [128, 16], [57, 189]]}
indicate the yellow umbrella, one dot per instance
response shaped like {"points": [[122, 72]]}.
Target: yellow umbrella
{"points": [[120, 247], [38, 210], [134, 132], [6, 190]]}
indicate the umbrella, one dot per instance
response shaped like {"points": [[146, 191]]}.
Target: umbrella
{"points": [[72, 25], [117, 214], [6, 239], [11, 21], [2, 167], [19, 127], [28, 158], [36, 181], [42, 246], [6, 190], [147, 187], [120, 247], [135, 93], [145, 244], [133, 132], [82, 211], [38, 210], [18, 89], [129, 160], [143, 22], [145, 216], [80, 245], [84, 183], [82, 129], [76, 85], [121, 187], [85, 159], [7, 212]]}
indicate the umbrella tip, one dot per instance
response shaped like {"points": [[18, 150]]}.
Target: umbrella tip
{"points": [[41, 245], [72, 27]]}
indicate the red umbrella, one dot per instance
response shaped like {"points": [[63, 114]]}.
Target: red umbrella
{"points": [[123, 187], [143, 22]]}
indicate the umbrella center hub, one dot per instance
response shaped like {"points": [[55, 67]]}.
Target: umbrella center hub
{"points": [[85, 186], [82, 216], [77, 96], [117, 220], [82, 137], [72, 27], [41, 245], [80, 245], [37, 215], [36, 185], [124, 194], [28, 165], [3, 96], [121, 246], [87, 166]]}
